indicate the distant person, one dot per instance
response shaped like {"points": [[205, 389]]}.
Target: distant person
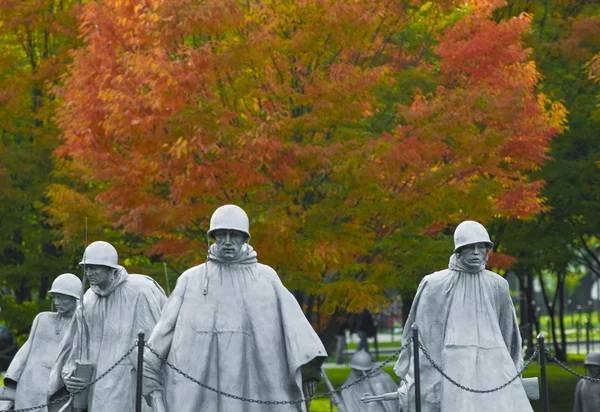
{"points": [[362, 324], [29, 371], [378, 383], [468, 325], [587, 393], [340, 341]]}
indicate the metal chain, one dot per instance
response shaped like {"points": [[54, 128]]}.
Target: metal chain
{"points": [[65, 397], [436, 366], [296, 401], [565, 367]]}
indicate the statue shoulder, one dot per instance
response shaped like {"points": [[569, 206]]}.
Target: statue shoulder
{"points": [[189, 275], [498, 280], [144, 284], [268, 271], [140, 280], [43, 317], [436, 276]]}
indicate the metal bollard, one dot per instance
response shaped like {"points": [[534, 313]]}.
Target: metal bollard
{"points": [[577, 336], [140, 367], [587, 336], [545, 404], [415, 330]]}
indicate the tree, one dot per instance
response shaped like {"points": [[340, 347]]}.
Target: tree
{"points": [[564, 39], [36, 38], [338, 125]]}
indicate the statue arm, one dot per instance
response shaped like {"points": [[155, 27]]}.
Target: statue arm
{"points": [[161, 339], [147, 313], [17, 365], [403, 367], [577, 406], [64, 366], [509, 325]]}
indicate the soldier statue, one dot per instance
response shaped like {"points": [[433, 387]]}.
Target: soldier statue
{"points": [[232, 325], [29, 371], [468, 325]]}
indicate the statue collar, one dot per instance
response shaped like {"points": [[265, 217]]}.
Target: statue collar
{"points": [[120, 277], [246, 256], [456, 266]]}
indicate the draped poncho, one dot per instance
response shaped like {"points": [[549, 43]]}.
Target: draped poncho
{"points": [[467, 323], [235, 327], [377, 384], [30, 368], [112, 319], [587, 396]]}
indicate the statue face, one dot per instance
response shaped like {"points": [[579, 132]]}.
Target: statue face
{"points": [[99, 275], [64, 303], [473, 256], [593, 371], [229, 242]]}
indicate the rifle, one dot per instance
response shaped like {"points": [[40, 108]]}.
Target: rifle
{"points": [[156, 402], [83, 368], [334, 396], [167, 277], [530, 385], [390, 396]]}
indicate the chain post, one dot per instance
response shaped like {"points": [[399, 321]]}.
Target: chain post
{"points": [[577, 327], [140, 367], [415, 331], [545, 405], [587, 336]]}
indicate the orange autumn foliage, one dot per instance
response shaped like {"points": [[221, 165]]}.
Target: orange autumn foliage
{"points": [[174, 108]]}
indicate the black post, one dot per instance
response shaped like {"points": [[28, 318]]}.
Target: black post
{"points": [[376, 344], [587, 336], [545, 404], [415, 330], [577, 327], [140, 366]]}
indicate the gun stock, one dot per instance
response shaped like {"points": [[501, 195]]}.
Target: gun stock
{"points": [[334, 396]]}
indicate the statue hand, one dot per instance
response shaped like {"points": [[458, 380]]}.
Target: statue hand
{"points": [[74, 384], [156, 402], [6, 405]]}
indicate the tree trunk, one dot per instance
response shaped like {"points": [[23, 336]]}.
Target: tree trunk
{"points": [[526, 308], [406, 306]]}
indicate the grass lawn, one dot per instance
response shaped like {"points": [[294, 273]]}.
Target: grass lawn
{"points": [[561, 386]]}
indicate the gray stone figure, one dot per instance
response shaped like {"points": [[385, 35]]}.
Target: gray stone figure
{"points": [[467, 323], [380, 382], [340, 342], [115, 308], [587, 393], [231, 324], [29, 371]]}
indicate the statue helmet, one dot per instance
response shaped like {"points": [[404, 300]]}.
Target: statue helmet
{"points": [[361, 360], [230, 217], [100, 253], [66, 284], [592, 359], [470, 232]]}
